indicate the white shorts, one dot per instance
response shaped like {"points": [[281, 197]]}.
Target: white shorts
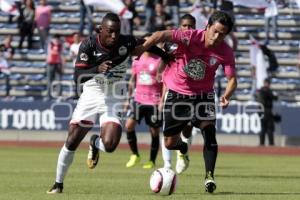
{"points": [[97, 100]]}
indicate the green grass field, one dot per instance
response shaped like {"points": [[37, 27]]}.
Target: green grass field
{"points": [[26, 174]]}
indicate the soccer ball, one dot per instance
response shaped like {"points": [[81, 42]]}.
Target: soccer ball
{"points": [[163, 181]]}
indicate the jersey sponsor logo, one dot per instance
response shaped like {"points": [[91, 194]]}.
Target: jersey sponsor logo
{"points": [[195, 69], [84, 57], [122, 51], [97, 54], [144, 78]]}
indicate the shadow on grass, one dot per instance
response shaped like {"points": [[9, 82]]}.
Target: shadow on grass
{"points": [[259, 176], [257, 193]]}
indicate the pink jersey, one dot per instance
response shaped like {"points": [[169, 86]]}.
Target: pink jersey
{"points": [[194, 68], [147, 90]]}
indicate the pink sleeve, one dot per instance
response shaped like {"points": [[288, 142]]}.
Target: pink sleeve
{"points": [[182, 37], [229, 66], [229, 71]]}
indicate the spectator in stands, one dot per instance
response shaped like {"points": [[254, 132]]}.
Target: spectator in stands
{"points": [[4, 70], [13, 17], [26, 22], [271, 13], [43, 20], [9, 50], [86, 11], [266, 97], [272, 60], [127, 24], [55, 62], [7, 53], [149, 12], [187, 2], [74, 48], [298, 65], [227, 6], [172, 8], [160, 20]]}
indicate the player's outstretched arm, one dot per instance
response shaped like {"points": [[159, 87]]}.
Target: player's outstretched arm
{"points": [[155, 38]]}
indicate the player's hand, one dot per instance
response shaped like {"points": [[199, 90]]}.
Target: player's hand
{"points": [[224, 102], [105, 66]]}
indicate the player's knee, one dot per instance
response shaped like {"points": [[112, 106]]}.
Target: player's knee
{"points": [[76, 134], [209, 134], [169, 144], [154, 132], [129, 127], [110, 146]]}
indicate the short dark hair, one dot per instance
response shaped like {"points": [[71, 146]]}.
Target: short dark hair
{"points": [[223, 18], [111, 17], [188, 17]]}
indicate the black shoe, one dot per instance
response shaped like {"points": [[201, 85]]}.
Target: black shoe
{"points": [[56, 188], [93, 155]]}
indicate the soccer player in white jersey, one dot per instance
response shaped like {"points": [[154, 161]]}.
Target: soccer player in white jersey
{"points": [[100, 66]]}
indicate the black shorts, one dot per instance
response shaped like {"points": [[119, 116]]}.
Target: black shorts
{"points": [[181, 109], [138, 111]]}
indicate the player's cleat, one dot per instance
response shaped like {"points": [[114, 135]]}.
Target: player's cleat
{"points": [[210, 184], [133, 160], [93, 155], [56, 188], [182, 162], [149, 165]]}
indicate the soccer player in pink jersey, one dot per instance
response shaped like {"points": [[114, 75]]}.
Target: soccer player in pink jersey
{"points": [[190, 82], [147, 93], [187, 22]]}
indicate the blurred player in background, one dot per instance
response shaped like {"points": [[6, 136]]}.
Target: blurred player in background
{"points": [[147, 93], [100, 66], [190, 82]]}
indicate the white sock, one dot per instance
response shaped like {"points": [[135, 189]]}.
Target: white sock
{"points": [[64, 161], [99, 144], [166, 154], [184, 139]]}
